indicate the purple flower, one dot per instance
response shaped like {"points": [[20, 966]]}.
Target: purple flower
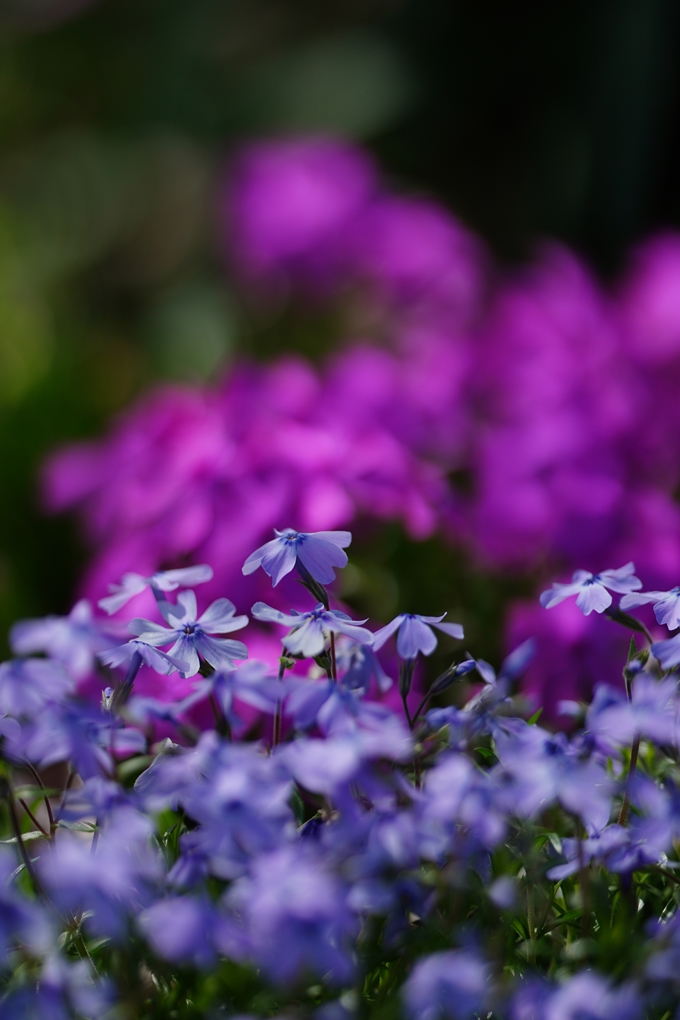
{"points": [[591, 589], [296, 916], [666, 605], [360, 666], [667, 651], [308, 636], [318, 553], [113, 881], [251, 684], [164, 580], [590, 995], [150, 656], [651, 713], [27, 684], [181, 928], [72, 640], [191, 636], [415, 634], [452, 984]]}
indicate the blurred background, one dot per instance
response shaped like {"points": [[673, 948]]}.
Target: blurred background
{"points": [[124, 264]]}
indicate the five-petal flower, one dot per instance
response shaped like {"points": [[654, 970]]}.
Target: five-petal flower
{"points": [[318, 552], [309, 630], [163, 580], [415, 634], [591, 589], [666, 605], [193, 637]]}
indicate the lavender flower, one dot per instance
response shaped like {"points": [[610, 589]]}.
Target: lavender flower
{"points": [[452, 984], [26, 685], [296, 916], [308, 636], [163, 580], [192, 637], [666, 605], [162, 662], [591, 589], [415, 634], [318, 552], [72, 640]]}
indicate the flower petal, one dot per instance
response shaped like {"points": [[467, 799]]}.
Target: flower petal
{"points": [[593, 597]]}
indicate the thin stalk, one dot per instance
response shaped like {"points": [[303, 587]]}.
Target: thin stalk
{"points": [[422, 705], [531, 924], [409, 720], [36, 775], [623, 814], [279, 704], [221, 722], [584, 879], [8, 795], [33, 818], [334, 665]]}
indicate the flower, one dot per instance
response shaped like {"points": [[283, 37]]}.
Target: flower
{"points": [[72, 640], [415, 634], [150, 656], [163, 580], [318, 553], [666, 605], [308, 636], [591, 589], [191, 636], [452, 984]]}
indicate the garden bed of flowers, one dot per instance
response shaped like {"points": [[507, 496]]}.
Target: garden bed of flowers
{"points": [[336, 841]]}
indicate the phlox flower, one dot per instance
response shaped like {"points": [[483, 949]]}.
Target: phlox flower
{"points": [[309, 630], [72, 640], [453, 984], [150, 656], [318, 552], [163, 580], [591, 589], [415, 634], [192, 637], [666, 605]]}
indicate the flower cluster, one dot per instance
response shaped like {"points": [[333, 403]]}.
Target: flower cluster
{"points": [[553, 401], [442, 863]]}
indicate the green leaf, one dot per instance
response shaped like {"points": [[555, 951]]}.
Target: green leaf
{"points": [[25, 836], [535, 717]]}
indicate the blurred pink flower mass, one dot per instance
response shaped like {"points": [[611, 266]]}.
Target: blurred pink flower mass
{"points": [[556, 399]]}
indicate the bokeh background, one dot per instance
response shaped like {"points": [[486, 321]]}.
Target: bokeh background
{"points": [[125, 263]]}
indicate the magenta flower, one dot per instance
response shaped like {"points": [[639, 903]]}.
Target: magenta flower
{"points": [[318, 553], [591, 589]]}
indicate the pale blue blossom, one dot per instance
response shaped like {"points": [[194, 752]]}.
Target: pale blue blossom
{"points": [[415, 634], [318, 552], [591, 589], [192, 636], [309, 630], [163, 580]]}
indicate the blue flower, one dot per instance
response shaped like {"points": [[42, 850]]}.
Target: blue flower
{"points": [[591, 589], [72, 640], [163, 580], [666, 605], [191, 636], [308, 636], [452, 984], [318, 553], [415, 634]]}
